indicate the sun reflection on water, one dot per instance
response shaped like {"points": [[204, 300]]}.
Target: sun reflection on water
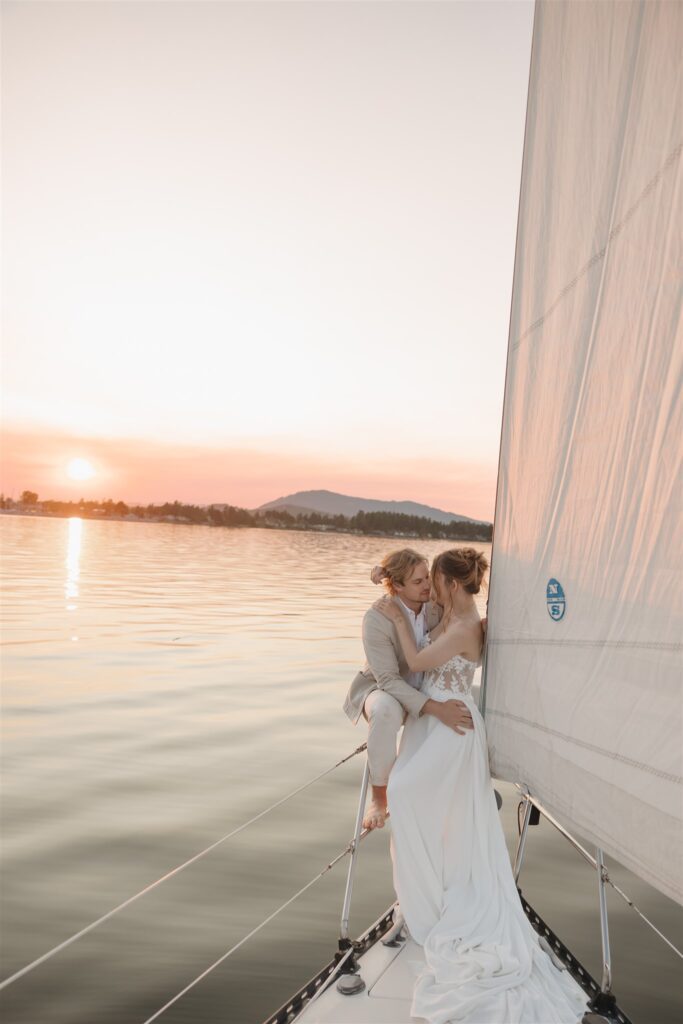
{"points": [[73, 559]]}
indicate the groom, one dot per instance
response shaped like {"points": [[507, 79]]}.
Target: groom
{"points": [[386, 691]]}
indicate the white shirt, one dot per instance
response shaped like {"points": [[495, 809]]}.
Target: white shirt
{"points": [[418, 620]]}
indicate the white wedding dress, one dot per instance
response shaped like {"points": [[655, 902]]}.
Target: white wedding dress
{"points": [[454, 882]]}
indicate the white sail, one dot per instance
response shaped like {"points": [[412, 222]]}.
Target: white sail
{"points": [[583, 679]]}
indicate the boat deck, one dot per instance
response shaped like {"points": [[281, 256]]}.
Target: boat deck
{"points": [[389, 975], [389, 963]]}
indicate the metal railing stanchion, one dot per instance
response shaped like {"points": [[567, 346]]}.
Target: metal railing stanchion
{"points": [[606, 984], [519, 856], [346, 909]]}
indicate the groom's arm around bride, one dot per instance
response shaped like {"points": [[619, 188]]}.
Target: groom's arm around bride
{"points": [[386, 690], [386, 670]]}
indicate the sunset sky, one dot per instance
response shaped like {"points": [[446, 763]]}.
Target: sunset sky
{"points": [[254, 248]]}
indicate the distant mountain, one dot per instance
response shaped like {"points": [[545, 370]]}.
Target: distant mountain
{"points": [[331, 504]]}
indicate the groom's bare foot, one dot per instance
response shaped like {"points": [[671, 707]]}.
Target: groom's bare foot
{"points": [[375, 815]]}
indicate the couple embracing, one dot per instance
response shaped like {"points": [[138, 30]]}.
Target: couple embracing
{"points": [[483, 963]]}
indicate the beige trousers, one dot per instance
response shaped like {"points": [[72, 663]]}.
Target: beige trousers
{"points": [[385, 716]]}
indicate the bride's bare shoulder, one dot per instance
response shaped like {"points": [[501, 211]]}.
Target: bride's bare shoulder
{"points": [[464, 637]]}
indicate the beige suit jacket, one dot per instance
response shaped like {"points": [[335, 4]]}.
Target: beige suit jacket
{"points": [[386, 668]]}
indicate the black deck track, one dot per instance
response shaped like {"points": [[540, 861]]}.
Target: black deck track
{"points": [[294, 1006]]}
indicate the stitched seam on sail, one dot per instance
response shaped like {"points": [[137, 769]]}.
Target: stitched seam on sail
{"points": [[646, 644], [647, 872], [671, 159], [588, 746]]}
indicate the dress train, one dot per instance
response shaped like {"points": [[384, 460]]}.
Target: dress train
{"points": [[454, 882]]}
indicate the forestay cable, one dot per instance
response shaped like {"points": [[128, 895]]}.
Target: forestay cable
{"points": [[593, 863], [258, 928], [105, 917]]}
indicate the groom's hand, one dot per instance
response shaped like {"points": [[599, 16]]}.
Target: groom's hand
{"points": [[452, 713]]}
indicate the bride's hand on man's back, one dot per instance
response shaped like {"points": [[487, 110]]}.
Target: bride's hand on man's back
{"points": [[389, 609]]}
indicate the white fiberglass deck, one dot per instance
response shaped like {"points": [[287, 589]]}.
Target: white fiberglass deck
{"points": [[390, 971], [389, 975]]}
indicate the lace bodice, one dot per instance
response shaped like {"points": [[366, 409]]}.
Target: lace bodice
{"points": [[454, 678]]}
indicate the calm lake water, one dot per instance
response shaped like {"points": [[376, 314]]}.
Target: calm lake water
{"points": [[161, 685]]}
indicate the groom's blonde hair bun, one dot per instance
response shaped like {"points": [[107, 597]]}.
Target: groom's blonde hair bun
{"points": [[466, 565], [396, 567]]}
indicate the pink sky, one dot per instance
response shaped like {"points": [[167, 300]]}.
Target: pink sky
{"points": [[254, 248], [149, 471]]}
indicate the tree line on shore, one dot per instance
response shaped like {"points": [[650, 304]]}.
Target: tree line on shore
{"points": [[368, 523]]}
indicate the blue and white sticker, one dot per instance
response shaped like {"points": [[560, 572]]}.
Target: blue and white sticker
{"points": [[554, 596]]}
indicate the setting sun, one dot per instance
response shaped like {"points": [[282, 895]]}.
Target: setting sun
{"points": [[80, 469]]}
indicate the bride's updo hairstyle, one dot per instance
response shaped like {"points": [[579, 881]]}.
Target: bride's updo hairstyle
{"points": [[396, 567], [466, 565]]}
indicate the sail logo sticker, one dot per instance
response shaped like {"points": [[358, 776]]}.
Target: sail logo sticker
{"points": [[554, 596]]}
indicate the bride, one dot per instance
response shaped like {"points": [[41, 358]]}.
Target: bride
{"points": [[452, 874]]}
